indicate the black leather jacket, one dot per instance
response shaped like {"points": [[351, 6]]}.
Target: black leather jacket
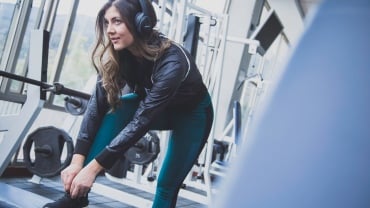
{"points": [[171, 82]]}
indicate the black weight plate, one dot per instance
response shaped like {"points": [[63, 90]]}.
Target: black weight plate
{"points": [[47, 144], [145, 150]]}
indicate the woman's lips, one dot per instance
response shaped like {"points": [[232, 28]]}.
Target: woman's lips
{"points": [[114, 40]]}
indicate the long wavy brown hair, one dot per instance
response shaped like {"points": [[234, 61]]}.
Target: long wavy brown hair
{"points": [[106, 60]]}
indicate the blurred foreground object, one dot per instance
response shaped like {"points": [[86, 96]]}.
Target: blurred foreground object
{"points": [[311, 145]]}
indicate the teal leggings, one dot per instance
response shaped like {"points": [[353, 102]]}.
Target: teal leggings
{"points": [[189, 132]]}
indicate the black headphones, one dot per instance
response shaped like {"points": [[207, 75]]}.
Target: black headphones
{"points": [[142, 20]]}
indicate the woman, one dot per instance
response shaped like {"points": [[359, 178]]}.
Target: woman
{"points": [[166, 93]]}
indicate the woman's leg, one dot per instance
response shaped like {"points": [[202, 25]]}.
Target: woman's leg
{"points": [[112, 124], [189, 134]]}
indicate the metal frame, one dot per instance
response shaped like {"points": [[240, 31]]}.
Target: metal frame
{"points": [[36, 26], [16, 126]]}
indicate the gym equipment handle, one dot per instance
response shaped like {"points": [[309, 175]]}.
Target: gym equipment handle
{"points": [[56, 88], [46, 149], [75, 102]]}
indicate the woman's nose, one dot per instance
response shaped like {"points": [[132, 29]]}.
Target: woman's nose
{"points": [[110, 29]]}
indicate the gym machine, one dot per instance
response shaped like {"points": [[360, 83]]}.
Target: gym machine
{"points": [[13, 134], [48, 142]]}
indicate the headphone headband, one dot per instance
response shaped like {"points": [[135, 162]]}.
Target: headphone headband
{"points": [[144, 7]]}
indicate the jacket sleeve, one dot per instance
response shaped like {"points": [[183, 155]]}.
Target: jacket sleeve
{"points": [[97, 107], [167, 77]]}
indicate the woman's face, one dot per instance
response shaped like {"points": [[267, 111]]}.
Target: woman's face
{"points": [[117, 30]]}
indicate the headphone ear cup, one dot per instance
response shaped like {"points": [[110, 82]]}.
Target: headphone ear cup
{"points": [[143, 24]]}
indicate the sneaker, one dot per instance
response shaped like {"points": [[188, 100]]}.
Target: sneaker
{"points": [[67, 202]]}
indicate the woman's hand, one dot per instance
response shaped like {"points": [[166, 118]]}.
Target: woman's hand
{"points": [[69, 173], [84, 180]]}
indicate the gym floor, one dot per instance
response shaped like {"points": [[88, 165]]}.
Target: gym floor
{"points": [[52, 189]]}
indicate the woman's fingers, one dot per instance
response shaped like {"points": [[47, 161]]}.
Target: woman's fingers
{"points": [[67, 176], [79, 190], [82, 183], [67, 183], [66, 180]]}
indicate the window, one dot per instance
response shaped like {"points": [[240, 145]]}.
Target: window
{"points": [[22, 61], [6, 14], [77, 68]]}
